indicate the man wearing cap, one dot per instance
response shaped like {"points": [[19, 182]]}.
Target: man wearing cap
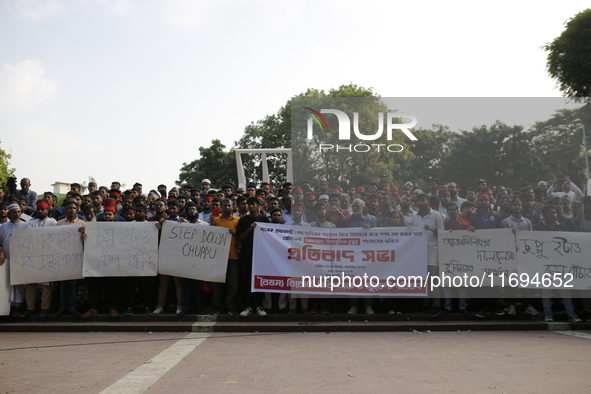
{"points": [[543, 185], [42, 220], [206, 204], [309, 202], [27, 194], [205, 186], [92, 186], [6, 230], [112, 205], [298, 195]]}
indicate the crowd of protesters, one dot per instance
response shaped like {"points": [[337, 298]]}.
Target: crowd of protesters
{"points": [[441, 206]]}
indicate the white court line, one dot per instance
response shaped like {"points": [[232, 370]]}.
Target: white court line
{"points": [[575, 334], [144, 376]]}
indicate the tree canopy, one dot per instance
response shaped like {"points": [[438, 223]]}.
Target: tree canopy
{"points": [[214, 164], [500, 153], [569, 57], [5, 170]]}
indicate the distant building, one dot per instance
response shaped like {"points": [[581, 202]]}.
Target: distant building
{"points": [[61, 187]]}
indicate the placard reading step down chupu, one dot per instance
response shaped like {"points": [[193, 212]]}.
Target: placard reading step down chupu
{"points": [[194, 251], [121, 249]]}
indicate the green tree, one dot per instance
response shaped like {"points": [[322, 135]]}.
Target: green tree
{"points": [[569, 57], [346, 165], [429, 151], [213, 163], [5, 170], [558, 141], [275, 131], [500, 154]]}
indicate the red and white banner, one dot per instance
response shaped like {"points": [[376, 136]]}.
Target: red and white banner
{"points": [[385, 261]]}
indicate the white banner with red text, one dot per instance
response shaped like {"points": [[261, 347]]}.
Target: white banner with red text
{"points": [[388, 261]]}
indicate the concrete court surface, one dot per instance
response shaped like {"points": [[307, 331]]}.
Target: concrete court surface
{"points": [[380, 362]]}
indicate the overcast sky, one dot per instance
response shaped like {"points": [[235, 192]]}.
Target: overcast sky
{"points": [[128, 90]]}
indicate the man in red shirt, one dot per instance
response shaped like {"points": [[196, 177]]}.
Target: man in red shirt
{"points": [[455, 222]]}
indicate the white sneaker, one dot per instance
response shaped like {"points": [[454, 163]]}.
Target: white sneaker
{"points": [[158, 310], [247, 311], [261, 311], [392, 312], [531, 310], [548, 317], [369, 310], [352, 311], [179, 309], [511, 310], [573, 318]]}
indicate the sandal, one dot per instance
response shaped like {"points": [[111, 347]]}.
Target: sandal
{"points": [[90, 312]]}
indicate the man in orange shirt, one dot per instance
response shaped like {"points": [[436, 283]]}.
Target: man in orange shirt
{"points": [[227, 219]]}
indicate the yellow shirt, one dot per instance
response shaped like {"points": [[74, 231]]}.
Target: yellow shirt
{"points": [[229, 223]]}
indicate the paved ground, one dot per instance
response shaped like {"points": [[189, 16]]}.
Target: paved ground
{"points": [[460, 362]]}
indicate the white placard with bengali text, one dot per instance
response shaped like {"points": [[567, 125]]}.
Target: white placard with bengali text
{"points": [[482, 253], [4, 289], [45, 254], [554, 252], [121, 249]]}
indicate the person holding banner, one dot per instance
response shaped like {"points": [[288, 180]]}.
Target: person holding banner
{"points": [[245, 232], [358, 219], [229, 220], [432, 221], [192, 289], [582, 223], [6, 230], [484, 219], [69, 288], [160, 217], [551, 223], [42, 220]]}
